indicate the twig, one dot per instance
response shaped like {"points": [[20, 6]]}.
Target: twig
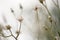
{"points": [[19, 31], [57, 5], [46, 8], [12, 34]]}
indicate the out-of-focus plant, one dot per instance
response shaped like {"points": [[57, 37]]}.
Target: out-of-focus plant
{"points": [[51, 20]]}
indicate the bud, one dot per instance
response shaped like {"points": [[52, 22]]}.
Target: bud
{"points": [[12, 10], [21, 6], [59, 34], [20, 19], [41, 1], [8, 27], [45, 27], [56, 38], [17, 32], [49, 17], [36, 8]]}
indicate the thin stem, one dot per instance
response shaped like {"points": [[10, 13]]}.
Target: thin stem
{"points": [[19, 30], [4, 35], [12, 34], [17, 34], [7, 36], [47, 8], [57, 5], [37, 15]]}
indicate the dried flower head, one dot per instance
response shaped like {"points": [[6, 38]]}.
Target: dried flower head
{"points": [[50, 19], [8, 27], [17, 32], [20, 19], [41, 1]]}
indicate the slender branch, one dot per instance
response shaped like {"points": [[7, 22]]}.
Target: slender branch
{"points": [[4, 35], [16, 38], [7, 36], [12, 34], [46, 8], [57, 5], [19, 31]]}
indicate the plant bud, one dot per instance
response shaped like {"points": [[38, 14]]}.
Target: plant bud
{"points": [[21, 6], [41, 1], [49, 17], [36, 8], [8, 27], [17, 32], [20, 19], [12, 10]]}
